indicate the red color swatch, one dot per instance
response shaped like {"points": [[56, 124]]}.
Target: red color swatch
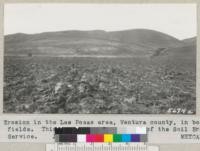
{"points": [[99, 138], [94, 138]]}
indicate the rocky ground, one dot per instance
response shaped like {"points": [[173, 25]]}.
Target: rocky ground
{"points": [[97, 85]]}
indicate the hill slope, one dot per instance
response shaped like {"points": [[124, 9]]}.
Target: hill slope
{"points": [[190, 41], [150, 38], [97, 42], [183, 57]]}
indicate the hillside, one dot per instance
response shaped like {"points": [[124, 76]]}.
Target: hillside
{"points": [[98, 42], [145, 37], [188, 51], [183, 57], [190, 41]]}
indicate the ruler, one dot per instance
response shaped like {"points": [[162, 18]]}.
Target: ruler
{"points": [[96, 147]]}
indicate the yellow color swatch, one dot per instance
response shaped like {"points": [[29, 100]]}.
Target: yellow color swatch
{"points": [[108, 138]]}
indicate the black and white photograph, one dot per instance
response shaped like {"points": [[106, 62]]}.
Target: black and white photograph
{"points": [[99, 58]]}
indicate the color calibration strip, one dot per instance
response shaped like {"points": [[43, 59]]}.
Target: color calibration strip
{"points": [[101, 138], [100, 130], [101, 134]]}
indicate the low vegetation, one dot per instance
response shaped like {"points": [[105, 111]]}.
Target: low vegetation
{"points": [[97, 85]]}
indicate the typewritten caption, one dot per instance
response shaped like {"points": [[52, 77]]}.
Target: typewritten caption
{"points": [[177, 130]]}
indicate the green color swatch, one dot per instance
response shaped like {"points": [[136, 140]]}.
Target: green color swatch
{"points": [[117, 138]]}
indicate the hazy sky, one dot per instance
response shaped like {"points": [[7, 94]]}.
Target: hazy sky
{"points": [[178, 20]]}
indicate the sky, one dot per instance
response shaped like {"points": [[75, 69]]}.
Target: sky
{"points": [[178, 20]]}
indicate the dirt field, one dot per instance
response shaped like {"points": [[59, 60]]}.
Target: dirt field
{"points": [[99, 85]]}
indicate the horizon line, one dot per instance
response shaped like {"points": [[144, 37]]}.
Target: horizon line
{"points": [[98, 30]]}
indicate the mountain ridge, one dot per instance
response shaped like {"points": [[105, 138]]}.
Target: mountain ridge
{"points": [[93, 42]]}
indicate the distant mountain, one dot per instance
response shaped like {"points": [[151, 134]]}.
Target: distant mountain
{"points": [[97, 42], [183, 56], [149, 38], [190, 41]]}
